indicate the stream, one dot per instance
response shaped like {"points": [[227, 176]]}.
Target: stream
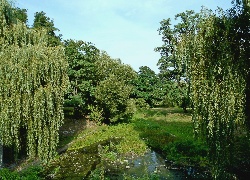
{"points": [[153, 163], [81, 163], [85, 162]]}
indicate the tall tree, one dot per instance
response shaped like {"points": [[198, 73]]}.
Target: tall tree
{"points": [[42, 21], [172, 67], [214, 49], [82, 57], [146, 85], [33, 80]]}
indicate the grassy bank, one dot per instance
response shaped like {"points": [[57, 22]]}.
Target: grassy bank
{"points": [[170, 132], [98, 151]]}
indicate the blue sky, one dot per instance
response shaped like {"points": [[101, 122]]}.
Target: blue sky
{"points": [[125, 29]]}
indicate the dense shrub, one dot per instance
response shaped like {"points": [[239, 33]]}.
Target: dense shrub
{"points": [[112, 98], [31, 173]]}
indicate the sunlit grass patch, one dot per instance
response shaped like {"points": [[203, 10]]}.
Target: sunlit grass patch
{"points": [[164, 114], [98, 147], [163, 126], [153, 133], [128, 140]]}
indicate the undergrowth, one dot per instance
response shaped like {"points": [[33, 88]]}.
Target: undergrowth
{"points": [[31, 173]]}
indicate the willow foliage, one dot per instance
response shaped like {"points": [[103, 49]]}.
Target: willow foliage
{"points": [[210, 49], [217, 89], [33, 80]]}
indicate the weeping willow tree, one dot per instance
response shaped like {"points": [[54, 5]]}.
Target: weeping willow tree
{"points": [[33, 80], [217, 86], [212, 48]]}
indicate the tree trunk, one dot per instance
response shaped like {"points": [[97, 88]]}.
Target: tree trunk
{"points": [[247, 107], [1, 155]]}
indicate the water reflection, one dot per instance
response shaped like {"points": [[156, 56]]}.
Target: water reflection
{"points": [[153, 163]]}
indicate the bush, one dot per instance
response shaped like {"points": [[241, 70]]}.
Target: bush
{"points": [[141, 104], [6, 174], [32, 173], [96, 114], [112, 96]]}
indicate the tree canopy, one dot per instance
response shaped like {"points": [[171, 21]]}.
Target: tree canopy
{"points": [[82, 73], [113, 90], [145, 85], [41, 21], [33, 80]]}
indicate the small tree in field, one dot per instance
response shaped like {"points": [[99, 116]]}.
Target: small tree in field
{"points": [[33, 80], [112, 97], [113, 90]]}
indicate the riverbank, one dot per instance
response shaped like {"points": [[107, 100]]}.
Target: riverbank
{"points": [[162, 137]]}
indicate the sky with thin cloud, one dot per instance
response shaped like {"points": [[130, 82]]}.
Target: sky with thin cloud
{"points": [[125, 29]]}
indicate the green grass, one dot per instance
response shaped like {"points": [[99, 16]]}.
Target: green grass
{"points": [[170, 131], [166, 130], [128, 140], [163, 123]]}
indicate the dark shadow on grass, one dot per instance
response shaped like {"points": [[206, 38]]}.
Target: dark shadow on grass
{"points": [[69, 130], [165, 111]]}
